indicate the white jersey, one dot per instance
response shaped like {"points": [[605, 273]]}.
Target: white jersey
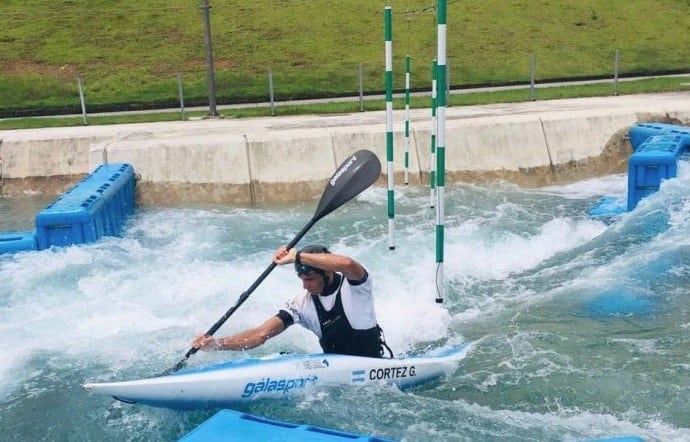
{"points": [[358, 304]]}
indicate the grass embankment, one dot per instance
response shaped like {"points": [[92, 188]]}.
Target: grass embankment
{"points": [[129, 53]]}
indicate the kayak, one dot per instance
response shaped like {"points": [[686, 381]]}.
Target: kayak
{"points": [[275, 377]]}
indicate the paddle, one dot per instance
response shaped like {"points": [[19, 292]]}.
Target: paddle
{"points": [[354, 175]]}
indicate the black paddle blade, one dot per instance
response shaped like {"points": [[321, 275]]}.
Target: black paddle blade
{"points": [[354, 175]]}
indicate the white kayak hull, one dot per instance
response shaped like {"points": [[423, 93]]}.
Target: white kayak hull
{"points": [[278, 377]]}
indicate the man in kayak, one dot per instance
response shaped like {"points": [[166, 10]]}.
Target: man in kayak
{"points": [[337, 305]]}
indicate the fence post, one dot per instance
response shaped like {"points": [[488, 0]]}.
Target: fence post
{"points": [[205, 8], [532, 75], [81, 98], [180, 90], [361, 88], [615, 72], [270, 92]]}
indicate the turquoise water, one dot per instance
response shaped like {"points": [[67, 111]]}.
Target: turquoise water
{"points": [[580, 326]]}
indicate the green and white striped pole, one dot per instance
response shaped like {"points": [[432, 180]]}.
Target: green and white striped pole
{"points": [[441, 146], [407, 119], [388, 14], [432, 163]]}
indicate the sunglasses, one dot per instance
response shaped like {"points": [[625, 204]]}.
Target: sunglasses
{"points": [[303, 269]]}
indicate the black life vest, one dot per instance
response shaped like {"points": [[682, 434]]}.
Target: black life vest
{"points": [[338, 336]]}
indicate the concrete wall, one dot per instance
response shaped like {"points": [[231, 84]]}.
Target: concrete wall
{"points": [[284, 159]]}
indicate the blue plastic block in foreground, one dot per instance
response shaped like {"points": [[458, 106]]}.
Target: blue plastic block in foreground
{"points": [[228, 425]]}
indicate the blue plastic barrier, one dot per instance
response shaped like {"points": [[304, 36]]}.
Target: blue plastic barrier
{"points": [[639, 133], [654, 160], [657, 147], [97, 206], [608, 208], [12, 242], [70, 220], [619, 303], [117, 190], [228, 425]]}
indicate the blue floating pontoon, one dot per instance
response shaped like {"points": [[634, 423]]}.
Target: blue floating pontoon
{"points": [[97, 206], [654, 160], [640, 132], [231, 426], [227, 426], [657, 147], [17, 242]]}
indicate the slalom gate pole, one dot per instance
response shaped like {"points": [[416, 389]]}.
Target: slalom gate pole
{"points": [[388, 19], [441, 147], [432, 163], [407, 119]]}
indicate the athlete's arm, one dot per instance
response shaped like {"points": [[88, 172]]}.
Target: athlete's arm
{"points": [[244, 340], [329, 262]]}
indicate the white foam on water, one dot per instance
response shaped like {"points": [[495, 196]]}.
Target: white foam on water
{"points": [[470, 254], [615, 185]]}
